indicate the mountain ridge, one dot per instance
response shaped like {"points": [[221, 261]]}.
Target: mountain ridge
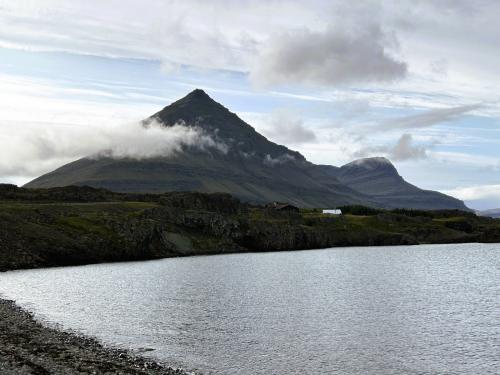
{"points": [[253, 169]]}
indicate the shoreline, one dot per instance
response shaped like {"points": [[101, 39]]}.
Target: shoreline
{"points": [[44, 266], [232, 253], [29, 347]]}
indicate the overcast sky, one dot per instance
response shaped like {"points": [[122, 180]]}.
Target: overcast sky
{"points": [[415, 81]]}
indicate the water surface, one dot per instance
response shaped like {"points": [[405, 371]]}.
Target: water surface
{"points": [[379, 310]]}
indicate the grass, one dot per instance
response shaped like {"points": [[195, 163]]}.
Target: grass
{"points": [[84, 225], [449, 219], [71, 219]]}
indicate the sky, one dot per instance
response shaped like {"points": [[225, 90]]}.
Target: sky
{"points": [[412, 80]]}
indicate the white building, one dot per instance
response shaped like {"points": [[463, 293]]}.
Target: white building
{"points": [[333, 212]]}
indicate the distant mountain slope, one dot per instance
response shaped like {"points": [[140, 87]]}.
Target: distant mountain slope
{"points": [[253, 168], [378, 178]]}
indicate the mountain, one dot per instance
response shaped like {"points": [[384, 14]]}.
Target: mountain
{"points": [[378, 178], [249, 166]]}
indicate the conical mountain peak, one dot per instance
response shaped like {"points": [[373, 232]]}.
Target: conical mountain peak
{"points": [[198, 94], [198, 109], [197, 98], [195, 106], [197, 101]]}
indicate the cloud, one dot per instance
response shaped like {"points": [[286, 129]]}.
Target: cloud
{"points": [[428, 118], [176, 32], [33, 151], [286, 128], [476, 192], [477, 161], [404, 149], [138, 141], [282, 159], [439, 66], [333, 57], [479, 196]]}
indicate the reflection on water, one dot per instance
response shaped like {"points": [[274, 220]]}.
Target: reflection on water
{"points": [[385, 310]]}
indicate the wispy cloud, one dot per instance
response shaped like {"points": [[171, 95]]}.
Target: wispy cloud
{"points": [[138, 141], [285, 127], [312, 42], [428, 118], [476, 192], [33, 151], [476, 160], [282, 159], [478, 196]]}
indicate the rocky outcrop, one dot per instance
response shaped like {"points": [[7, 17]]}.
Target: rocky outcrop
{"points": [[277, 236]]}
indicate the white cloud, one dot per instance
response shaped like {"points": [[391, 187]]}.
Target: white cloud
{"points": [[282, 159], [428, 118], [285, 127], [228, 35], [318, 42], [479, 197], [31, 151], [137, 141], [44, 126], [40, 100], [476, 192], [329, 58], [405, 149], [176, 32]]}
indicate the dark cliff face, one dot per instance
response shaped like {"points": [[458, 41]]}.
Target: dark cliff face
{"points": [[252, 168]]}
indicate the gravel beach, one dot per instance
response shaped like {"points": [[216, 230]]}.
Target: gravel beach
{"points": [[28, 347]]}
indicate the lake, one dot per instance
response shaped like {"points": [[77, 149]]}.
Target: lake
{"points": [[361, 310]]}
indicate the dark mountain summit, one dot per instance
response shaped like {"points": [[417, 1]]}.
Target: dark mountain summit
{"points": [[250, 167], [199, 109]]}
